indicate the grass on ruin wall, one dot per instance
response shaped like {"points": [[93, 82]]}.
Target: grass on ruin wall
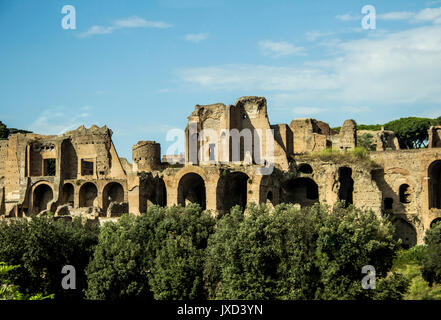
{"points": [[358, 155]]}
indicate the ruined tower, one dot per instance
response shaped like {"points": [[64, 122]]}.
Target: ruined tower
{"points": [[146, 156]]}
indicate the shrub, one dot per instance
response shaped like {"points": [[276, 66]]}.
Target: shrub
{"points": [[156, 255], [431, 266], [365, 140], [357, 155], [312, 253], [41, 247], [9, 291]]}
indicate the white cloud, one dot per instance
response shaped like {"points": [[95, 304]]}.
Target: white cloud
{"points": [[196, 37], [137, 22], [307, 110], [429, 15], [94, 30], [280, 49], [131, 22], [393, 68], [60, 119], [398, 15], [348, 17], [353, 109], [314, 35]]}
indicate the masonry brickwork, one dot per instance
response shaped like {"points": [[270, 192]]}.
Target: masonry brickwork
{"points": [[80, 172]]}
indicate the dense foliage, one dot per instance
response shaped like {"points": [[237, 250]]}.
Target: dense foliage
{"points": [[313, 253], [431, 266], [41, 247], [157, 255], [366, 140], [411, 132], [179, 253], [5, 131], [409, 263], [9, 291]]}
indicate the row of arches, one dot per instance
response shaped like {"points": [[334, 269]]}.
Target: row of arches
{"points": [[43, 194], [232, 189]]}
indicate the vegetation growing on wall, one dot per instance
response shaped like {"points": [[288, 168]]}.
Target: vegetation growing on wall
{"points": [[358, 155]]}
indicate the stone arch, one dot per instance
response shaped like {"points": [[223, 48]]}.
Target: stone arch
{"points": [[88, 194], [41, 196], [67, 194], [112, 192], [270, 196], [269, 189], [404, 193], [434, 221], [346, 185], [153, 191], [406, 232], [232, 190], [434, 174], [191, 189], [303, 191], [304, 168]]}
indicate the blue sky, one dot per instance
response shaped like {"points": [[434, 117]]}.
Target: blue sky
{"points": [[141, 66]]}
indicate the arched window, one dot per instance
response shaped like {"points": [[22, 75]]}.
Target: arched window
{"points": [[112, 192], [346, 185], [231, 191], [42, 195], [434, 173], [404, 192], [88, 194], [301, 190], [191, 189]]}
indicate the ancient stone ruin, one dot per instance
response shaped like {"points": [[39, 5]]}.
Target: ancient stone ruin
{"points": [[80, 172]]}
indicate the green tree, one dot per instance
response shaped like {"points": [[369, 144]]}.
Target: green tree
{"points": [[120, 263], [178, 270], [154, 255], [41, 247], [431, 264], [411, 132], [4, 131], [9, 291], [312, 253], [366, 141]]}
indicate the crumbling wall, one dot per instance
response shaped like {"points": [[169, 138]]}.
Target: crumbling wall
{"points": [[3, 155], [347, 137], [434, 137], [311, 135], [146, 156], [284, 137], [411, 168], [381, 139]]}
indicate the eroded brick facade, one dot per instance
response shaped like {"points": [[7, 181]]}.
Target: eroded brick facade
{"points": [[80, 172]]}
